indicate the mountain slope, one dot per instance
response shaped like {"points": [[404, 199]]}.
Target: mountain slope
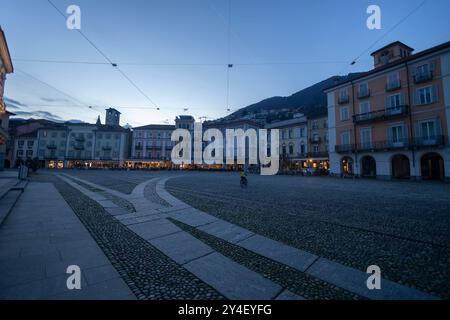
{"points": [[310, 101]]}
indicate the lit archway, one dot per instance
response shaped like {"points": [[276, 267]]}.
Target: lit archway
{"points": [[347, 166]]}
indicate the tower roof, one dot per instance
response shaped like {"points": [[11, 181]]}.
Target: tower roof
{"points": [[113, 109], [395, 43]]}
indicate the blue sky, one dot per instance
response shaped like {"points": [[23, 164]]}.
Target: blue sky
{"points": [[176, 51]]}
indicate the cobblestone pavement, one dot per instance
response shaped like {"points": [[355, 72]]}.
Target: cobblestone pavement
{"points": [[121, 202], [122, 181], [150, 194], [149, 273], [289, 278], [402, 227]]}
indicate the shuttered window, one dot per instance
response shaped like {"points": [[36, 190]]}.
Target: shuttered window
{"points": [[426, 95]]}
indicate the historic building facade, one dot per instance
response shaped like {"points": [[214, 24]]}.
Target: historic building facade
{"points": [[6, 67], [294, 146], [393, 121], [233, 124], [52, 146], [83, 145], [25, 148], [151, 147], [318, 154]]}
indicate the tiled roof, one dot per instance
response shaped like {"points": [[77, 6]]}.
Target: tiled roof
{"points": [[286, 123], [111, 128], [32, 134], [54, 127], [156, 127], [393, 64], [391, 44], [231, 123]]}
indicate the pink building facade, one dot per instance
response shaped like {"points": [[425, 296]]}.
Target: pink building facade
{"points": [[393, 121]]}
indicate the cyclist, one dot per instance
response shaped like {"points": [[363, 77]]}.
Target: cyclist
{"points": [[243, 176]]}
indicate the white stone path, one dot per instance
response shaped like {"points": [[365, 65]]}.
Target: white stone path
{"points": [[228, 277], [42, 237]]}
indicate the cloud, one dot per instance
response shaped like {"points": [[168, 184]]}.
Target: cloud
{"points": [[21, 110], [39, 115], [53, 100], [75, 121], [14, 104]]}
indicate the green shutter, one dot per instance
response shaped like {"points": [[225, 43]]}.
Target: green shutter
{"points": [[416, 98], [434, 93], [389, 134], [432, 66], [438, 126], [417, 131], [402, 99]]}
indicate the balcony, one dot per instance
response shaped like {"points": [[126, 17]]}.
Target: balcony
{"points": [[423, 77], [374, 146], [292, 156], [80, 139], [319, 154], [433, 141], [80, 158], [106, 148], [50, 157], [316, 140], [381, 115], [387, 145], [344, 100], [148, 158], [383, 145], [364, 94], [345, 148], [138, 147], [52, 147], [154, 147], [78, 147], [393, 86]]}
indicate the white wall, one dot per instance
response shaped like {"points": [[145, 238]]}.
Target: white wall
{"points": [[445, 67], [335, 167]]}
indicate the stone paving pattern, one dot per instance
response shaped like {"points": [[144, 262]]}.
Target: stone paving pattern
{"points": [[181, 212], [149, 273], [231, 235], [402, 227], [302, 285], [223, 274], [39, 242]]}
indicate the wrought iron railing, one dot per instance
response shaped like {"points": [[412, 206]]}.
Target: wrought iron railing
{"points": [[381, 115]]}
